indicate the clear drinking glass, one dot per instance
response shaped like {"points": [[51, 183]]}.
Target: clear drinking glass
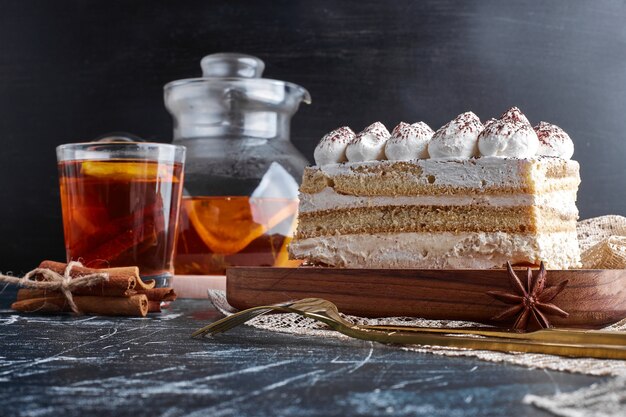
{"points": [[120, 203]]}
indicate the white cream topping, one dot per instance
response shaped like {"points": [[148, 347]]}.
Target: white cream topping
{"points": [[332, 147], [510, 136], [457, 138], [553, 141], [369, 145], [464, 137], [515, 115], [440, 250], [328, 199], [408, 141]]}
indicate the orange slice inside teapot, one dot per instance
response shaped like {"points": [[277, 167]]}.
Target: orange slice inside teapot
{"points": [[228, 224]]}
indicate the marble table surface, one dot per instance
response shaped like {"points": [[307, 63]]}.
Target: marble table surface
{"points": [[99, 366]]}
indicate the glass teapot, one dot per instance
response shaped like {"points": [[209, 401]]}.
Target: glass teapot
{"points": [[242, 170]]}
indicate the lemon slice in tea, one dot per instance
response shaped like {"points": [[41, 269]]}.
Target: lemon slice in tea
{"points": [[128, 170]]}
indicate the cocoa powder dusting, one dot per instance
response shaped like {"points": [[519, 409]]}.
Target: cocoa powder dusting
{"points": [[404, 130], [550, 134], [340, 135]]}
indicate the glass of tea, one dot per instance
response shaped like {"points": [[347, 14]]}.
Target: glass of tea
{"points": [[120, 203]]}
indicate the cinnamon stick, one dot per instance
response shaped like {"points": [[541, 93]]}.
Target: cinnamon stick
{"points": [[28, 293], [121, 280], [146, 285], [154, 306], [159, 294], [117, 239], [153, 294], [135, 305], [139, 282]]}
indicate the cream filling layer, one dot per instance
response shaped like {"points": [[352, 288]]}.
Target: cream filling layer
{"points": [[440, 250], [478, 173], [563, 200]]}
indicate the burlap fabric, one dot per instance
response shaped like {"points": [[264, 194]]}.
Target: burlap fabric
{"points": [[603, 246]]}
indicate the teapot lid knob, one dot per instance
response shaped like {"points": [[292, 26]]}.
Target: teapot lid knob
{"points": [[231, 65]]}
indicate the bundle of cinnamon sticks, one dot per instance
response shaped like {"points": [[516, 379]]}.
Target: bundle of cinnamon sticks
{"points": [[123, 294]]}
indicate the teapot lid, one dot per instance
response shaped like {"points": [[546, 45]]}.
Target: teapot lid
{"points": [[231, 65], [229, 97]]}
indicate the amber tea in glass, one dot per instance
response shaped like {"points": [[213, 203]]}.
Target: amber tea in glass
{"points": [[122, 211], [218, 232]]}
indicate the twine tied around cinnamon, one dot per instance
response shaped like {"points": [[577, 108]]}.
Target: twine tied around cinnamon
{"points": [[47, 279]]}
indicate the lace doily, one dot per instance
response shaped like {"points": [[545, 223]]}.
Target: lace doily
{"points": [[597, 400]]}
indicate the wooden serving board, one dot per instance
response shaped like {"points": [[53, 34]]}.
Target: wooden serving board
{"points": [[594, 298]]}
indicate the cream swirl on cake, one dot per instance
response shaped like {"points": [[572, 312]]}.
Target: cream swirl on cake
{"points": [[408, 141], [511, 136], [457, 138], [332, 147], [369, 144], [514, 115], [488, 122], [464, 137], [553, 141]]}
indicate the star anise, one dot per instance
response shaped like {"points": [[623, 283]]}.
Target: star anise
{"points": [[530, 300]]}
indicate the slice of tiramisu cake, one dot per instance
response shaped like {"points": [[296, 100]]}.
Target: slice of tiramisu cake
{"points": [[466, 196]]}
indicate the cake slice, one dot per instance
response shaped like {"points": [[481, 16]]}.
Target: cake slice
{"points": [[446, 212]]}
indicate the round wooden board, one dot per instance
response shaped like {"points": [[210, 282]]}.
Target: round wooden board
{"points": [[593, 298]]}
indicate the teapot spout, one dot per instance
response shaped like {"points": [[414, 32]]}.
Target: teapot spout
{"points": [[305, 96]]}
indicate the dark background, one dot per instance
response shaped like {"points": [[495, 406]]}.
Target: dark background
{"points": [[72, 70]]}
